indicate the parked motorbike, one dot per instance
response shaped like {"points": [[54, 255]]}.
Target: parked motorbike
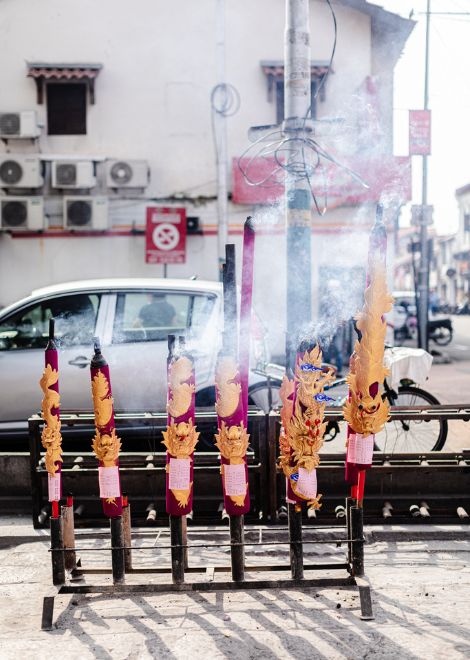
{"points": [[463, 309], [440, 331]]}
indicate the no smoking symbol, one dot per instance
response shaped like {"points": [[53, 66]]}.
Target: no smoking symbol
{"points": [[166, 236]]}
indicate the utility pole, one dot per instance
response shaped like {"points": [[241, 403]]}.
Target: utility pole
{"points": [[220, 127], [423, 270], [297, 123]]}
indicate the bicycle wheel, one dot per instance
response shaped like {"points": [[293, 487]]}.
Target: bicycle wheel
{"points": [[260, 396], [411, 436]]}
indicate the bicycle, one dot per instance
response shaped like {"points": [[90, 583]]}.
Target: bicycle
{"points": [[398, 436]]}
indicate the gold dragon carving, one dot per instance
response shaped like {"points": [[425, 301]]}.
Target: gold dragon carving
{"points": [[51, 437], [181, 392], [105, 445], [232, 442], [180, 441], [228, 389], [365, 411], [303, 427]]}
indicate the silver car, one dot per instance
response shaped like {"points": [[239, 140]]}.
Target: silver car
{"points": [[133, 318]]}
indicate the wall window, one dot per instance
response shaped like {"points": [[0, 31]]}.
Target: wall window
{"points": [[66, 108], [466, 222]]}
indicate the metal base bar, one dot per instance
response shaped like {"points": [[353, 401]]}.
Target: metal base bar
{"points": [[218, 569], [226, 585]]}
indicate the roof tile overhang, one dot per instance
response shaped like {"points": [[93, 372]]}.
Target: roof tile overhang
{"points": [[43, 72]]}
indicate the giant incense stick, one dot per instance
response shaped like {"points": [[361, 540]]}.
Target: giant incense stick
{"points": [[232, 437], [106, 444], [181, 436], [51, 435], [302, 430], [365, 411], [245, 311]]}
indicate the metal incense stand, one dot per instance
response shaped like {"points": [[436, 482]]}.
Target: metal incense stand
{"points": [[121, 545]]}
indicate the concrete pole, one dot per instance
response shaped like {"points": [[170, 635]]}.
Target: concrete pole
{"points": [[297, 102], [220, 127], [423, 271]]}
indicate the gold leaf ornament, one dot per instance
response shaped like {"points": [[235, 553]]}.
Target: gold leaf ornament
{"points": [[181, 439], [106, 447], [51, 436], [179, 371], [365, 411], [227, 387], [232, 442], [102, 401], [303, 427]]}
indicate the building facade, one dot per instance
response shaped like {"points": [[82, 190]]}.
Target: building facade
{"points": [[106, 110]]}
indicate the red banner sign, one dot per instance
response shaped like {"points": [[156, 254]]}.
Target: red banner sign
{"points": [[420, 132], [384, 176], [165, 236]]}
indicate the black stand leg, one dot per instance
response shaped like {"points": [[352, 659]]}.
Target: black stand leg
{"points": [[68, 535], [295, 540], [357, 530], [184, 523], [237, 549], [127, 533], [57, 547], [349, 504], [177, 550], [47, 613], [117, 550], [357, 533]]}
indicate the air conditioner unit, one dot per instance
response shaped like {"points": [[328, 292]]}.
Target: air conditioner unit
{"points": [[86, 213], [22, 214], [73, 174], [127, 173], [19, 124], [20, 171]]}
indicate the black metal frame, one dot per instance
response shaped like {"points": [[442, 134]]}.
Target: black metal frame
{"points": [[441, 479], [134, 463], [354, 564]]}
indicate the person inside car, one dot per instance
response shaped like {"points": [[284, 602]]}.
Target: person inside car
{"points": [[158, 313]]}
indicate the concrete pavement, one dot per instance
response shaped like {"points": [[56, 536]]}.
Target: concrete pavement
{"points": [[421, 595]]}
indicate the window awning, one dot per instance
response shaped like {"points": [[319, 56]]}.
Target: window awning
{"points": [[43, 72], [274, 71]]}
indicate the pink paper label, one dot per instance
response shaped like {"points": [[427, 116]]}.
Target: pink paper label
{"points": [[179, 474], [360, 449], [53, 485], [235, 479], [307, 483], [109, 482]]}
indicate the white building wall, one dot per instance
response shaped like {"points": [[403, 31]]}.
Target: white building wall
{"points": [[153, 102]]}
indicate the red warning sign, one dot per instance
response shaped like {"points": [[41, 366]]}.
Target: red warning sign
{"points": [[165, 237]]}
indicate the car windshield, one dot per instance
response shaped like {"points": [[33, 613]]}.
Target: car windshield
{"points": [[153, 315], [75, 317]]}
